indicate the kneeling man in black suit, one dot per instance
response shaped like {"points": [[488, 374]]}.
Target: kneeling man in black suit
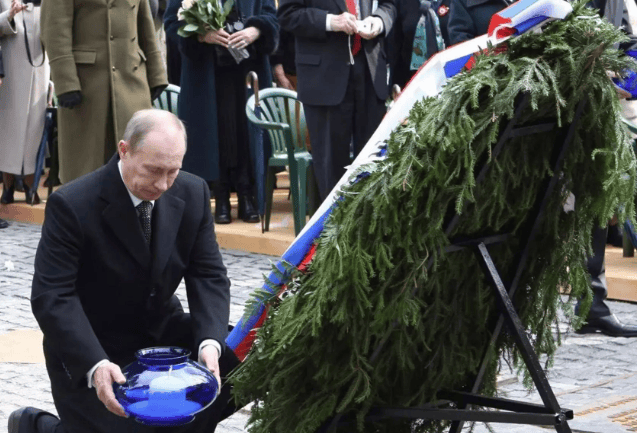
{"points": [[115, 245]]}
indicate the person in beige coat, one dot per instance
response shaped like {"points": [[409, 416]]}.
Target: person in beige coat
{"points": [[106, 65], [23, 95]]}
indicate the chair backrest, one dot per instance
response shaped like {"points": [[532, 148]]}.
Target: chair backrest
{"points": [[168, 99], [281, 114]]}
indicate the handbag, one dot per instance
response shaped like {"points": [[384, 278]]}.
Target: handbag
{"points": [[227, 56], [26, 38]]}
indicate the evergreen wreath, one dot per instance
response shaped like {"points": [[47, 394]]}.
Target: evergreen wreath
{"points": [[311, 358]]}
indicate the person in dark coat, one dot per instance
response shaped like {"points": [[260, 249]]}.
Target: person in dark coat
{"points": [[213, 97], [400, 41], [115, 246], [342, 75], [470, 18]]}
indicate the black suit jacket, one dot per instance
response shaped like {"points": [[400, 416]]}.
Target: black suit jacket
{"points": [[1, 65], [322, 57], [100, 292]]}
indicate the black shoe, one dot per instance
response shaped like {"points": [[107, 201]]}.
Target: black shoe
{"points": [[27, 419], [19, 421], [7, 194], [608, 325], [247, 212], [32, 196], [3, 224], [222, 212]]}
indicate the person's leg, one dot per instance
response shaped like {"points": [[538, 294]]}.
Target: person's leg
{"points": [[600, 318], [369, 109], [31, 190], [32, 420], [78, 408], [597, 270], [330, 129], [8, 188]]}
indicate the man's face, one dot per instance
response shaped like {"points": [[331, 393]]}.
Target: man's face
{"points": [[152, 167]]}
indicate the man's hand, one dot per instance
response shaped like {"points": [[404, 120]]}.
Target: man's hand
{"points": [[0, 81], [243, 38], [209, 356], [375, 26], [16, 7], [218, 37], [344, 22], [281, 79], [103, 379]]}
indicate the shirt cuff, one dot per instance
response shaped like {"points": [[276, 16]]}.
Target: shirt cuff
{"points": [[328, 22], [89, 375], [382, 24], [209, 342]]}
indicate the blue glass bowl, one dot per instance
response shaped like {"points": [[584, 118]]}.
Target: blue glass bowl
{"points": [[165, 388]]}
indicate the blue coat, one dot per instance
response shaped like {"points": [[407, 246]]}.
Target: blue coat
{"points": [[197, 100]]}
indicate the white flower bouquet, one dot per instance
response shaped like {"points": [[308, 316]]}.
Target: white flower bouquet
{"points": [[202, 16]]}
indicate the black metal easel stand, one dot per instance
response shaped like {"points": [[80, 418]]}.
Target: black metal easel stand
{"points": [[456, 406]]}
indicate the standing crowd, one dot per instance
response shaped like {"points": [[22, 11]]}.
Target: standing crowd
{"points": [[103, 62]]}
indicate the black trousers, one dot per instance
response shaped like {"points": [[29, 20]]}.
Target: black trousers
{"points": [[81, 411], [333, 128], [597, 270]]}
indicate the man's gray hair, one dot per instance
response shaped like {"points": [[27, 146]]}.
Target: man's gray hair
{"points": [[145, 121]]}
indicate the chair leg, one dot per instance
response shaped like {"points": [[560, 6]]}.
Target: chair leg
{"points": [[269, 192]]}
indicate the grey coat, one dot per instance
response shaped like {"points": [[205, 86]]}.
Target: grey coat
{"points": [[23, 93]]}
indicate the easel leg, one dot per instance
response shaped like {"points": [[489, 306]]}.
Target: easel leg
{"points": [[521, 340]]}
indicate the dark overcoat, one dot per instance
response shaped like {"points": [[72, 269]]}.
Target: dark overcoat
{"points": [[198, 103], [99, 291], [470, 18], [108, 50]]}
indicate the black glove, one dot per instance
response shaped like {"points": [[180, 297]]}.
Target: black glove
{"points": [[156, 91], [70, 99]]}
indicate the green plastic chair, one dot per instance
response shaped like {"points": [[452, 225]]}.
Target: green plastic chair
{"points": [[282, 116], [168, 99]]}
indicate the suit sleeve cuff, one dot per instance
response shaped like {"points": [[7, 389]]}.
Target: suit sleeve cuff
{"points": [[7, 27], [209, 342], [328, 22], [89, 375]]}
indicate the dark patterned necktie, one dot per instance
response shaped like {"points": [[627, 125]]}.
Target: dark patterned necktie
{"points": [[145, 209]]}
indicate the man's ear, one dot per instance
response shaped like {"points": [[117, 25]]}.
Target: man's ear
{"points": [[123, 149]]}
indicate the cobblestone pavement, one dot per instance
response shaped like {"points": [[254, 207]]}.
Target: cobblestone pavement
{"points": [[594, 375]]}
